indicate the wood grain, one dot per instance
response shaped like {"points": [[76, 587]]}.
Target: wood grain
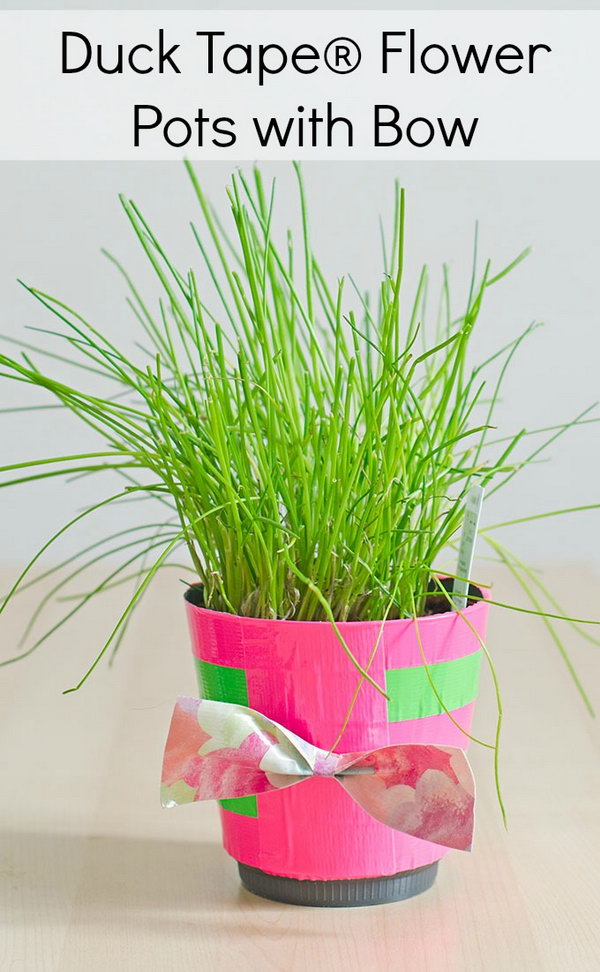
{"points": [[95, 876]]}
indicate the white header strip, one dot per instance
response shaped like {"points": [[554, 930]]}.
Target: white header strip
{"points": [[300, 84]]}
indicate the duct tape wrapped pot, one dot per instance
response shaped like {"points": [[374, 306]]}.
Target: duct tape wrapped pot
{"points": [[312, 843]]}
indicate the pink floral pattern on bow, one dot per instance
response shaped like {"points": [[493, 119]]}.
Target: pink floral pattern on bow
{"points": [[219, 750]]}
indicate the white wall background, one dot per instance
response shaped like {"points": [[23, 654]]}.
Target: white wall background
{"points": [[294, 5], [55, 217]]}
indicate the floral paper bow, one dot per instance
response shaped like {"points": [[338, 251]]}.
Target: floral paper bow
{"points": [[219, 750]]}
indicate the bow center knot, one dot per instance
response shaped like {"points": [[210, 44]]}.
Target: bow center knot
{"points": [[326, 764]]}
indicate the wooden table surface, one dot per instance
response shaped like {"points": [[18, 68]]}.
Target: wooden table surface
{"points": [[95, 876]]}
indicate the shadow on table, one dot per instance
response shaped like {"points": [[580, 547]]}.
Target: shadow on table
{"points": [[122, 883], [50, 874]]}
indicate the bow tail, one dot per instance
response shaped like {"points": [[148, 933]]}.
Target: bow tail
{"points": [[423, 791], [217, 751], [214, 778]]}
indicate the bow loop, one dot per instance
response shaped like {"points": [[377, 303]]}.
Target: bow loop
{"points": [[221, 750]]}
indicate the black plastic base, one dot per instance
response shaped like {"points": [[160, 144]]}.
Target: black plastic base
{"points": [[354, 893]]}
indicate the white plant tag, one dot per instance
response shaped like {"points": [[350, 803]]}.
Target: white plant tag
{"points": [[466, 550]]}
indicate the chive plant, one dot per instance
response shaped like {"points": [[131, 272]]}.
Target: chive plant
{"points": [[309, 448]]}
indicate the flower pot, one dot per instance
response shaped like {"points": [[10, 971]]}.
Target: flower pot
{"points": [[311, 843]]}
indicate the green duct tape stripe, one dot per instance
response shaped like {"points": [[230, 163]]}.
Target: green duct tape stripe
{"points": [[247, 806], [221, 683], [412, 697]]}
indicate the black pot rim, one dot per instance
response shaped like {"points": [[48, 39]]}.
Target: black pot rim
{"points": [[193, 595], [352, 893]]}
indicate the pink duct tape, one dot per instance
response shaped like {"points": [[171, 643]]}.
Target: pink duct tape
{"points": [[297, 674]]}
